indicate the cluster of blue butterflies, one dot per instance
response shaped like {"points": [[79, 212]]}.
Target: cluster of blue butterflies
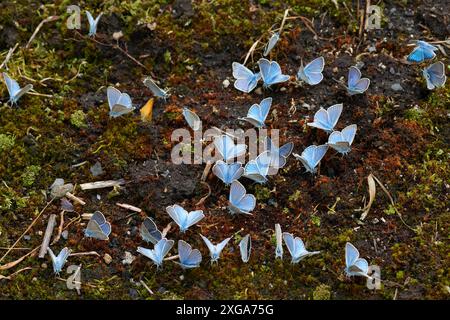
{"points": [[434, 74], [98, 228], [270, 73], [258, 170]]}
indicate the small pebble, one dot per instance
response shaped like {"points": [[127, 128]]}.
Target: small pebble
{"points": [[27, 237], [397, 87], [96, 169], [128, 258], [65, 234], [107, 258], [258, 91], [44, 266], [226, 83]]}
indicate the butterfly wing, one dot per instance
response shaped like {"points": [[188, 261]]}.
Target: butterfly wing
{"points": [[192, 119], [163, 247], [283, 153], [221, 245], [435, 75], [179, 215], [355, 83], [312, 72], [241, 72], [211, 247], [334, 113], [290, 244], [254, 116], [149, 253], [157, 91], [188, 258], [98, 227], [321, 120], [194, 217], [279, 245], [351, 254], [417, 55], [349, 132], [245, 247], [240, 202], [271, 44], [12, 85], [149, 231]]}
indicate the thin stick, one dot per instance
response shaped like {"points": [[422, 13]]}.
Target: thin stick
{"points": [[129, 207], [15, 273], [16, 262], [89, 253], [28, 229], [40, 94], [74, 198], [9, 55], [48, 234], [206, 171], [48, 19], [205, 197], [60, 227], [7, 248], [101, 184], [166, 230], [171, 258], [146, 287]]}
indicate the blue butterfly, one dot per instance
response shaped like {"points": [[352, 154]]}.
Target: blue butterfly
{"points": [[271, 44], [189, 258], [258, 168], [341, 141], [435, 75], [312, 72], [93, 23], [355, 266], [192, 119], [227, 149], [245, 247], [278, 156], [182, 218], [149, 231], [279, 246], [157, 91], [356, 84], [60, 260], [215, 250], [258, 113], [296, 248], [271, 72], [228, 172], [240, 201], [160, 250], [14, 90], [119, 103], [98, 227], [327, 119], [246, 80], [423, 51], [311, 157]]}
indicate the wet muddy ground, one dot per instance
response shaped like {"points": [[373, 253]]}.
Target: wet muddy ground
{"points": [[402, 139]]}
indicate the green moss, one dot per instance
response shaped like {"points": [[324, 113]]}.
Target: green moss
{"points": [[262, 193], [78, 119], [322, 292], [7, 142], [29, 175]]}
